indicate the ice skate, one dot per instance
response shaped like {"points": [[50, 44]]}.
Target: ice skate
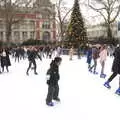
{"points": [[102, 75], [50, 104], [90, 70], [117, 91], [36, 73], [106, 84], [95, 72], [27, 73], [56, 99]]}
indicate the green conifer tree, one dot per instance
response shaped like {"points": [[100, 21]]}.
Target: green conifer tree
{"points": [[76, 30]]}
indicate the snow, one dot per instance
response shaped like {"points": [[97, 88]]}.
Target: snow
{"points": [[82, 94]]}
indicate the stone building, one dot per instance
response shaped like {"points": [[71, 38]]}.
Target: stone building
{"points": [[99, 30], [37, 23]]}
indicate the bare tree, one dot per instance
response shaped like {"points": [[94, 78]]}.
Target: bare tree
{"points": [[61, 18], [109, 10], [9, 11]]}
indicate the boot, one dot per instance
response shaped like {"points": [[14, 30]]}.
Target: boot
{"points": [[117, 91], [36, 73], [57, 99], [102, 75], [50, 104], [27, 73], [106, 84], [95, 72]]}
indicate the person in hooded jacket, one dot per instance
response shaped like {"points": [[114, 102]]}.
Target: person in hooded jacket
{"points": [[115, 69], [53, 87]]}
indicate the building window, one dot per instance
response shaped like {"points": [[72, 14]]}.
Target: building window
{"points": [[16, 26], [17, 35], [24, 35], [32, 25], [1, 25], [46, 25], [1, 35], [24, 25], [32, 35]]}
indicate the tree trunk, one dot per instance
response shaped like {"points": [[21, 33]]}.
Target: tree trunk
{"points": [[8, 33], [109, 32]]}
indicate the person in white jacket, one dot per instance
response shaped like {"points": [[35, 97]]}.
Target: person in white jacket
{"points": [[103, 56]]}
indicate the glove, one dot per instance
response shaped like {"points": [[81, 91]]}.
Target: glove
{"points": [[47, 77]]}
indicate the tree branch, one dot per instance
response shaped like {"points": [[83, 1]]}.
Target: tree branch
{"points": [[116, 15]]}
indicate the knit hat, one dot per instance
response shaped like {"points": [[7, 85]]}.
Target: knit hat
{"points": [[57, 59]]}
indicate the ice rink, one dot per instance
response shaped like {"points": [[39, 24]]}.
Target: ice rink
{"points": [[82, 94]]}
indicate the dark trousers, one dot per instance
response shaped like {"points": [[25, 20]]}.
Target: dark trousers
{"points": [[17, 58], [94, 65], [112, 76], [6, 68], [34, 64], [103, 66], [53, 92]]}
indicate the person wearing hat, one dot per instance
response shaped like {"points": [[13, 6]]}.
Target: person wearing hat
{"points": [[52, 81]]}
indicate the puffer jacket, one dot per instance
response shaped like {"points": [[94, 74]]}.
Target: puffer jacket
{"points": [[54, 74]]}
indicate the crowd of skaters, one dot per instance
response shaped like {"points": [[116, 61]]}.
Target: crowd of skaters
{"points": [[101, 52], [26, 52], [92, 52]]}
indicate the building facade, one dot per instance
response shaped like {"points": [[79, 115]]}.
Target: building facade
{"points": [[38, 23], [99, 30]]}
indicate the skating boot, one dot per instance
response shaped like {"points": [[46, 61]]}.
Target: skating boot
{"points": [[106, 84], [95, 72], [117, 91], [27, 73], [90, 70], [102, 75], [36, 73], [50, 104], [56, 99]]}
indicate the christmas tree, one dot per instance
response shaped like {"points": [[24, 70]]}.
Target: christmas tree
{"points": [[76, 32]]}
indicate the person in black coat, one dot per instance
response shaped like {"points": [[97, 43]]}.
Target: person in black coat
{"points": [[32, 54], [53, 87], [5, 60], [115, 69]]}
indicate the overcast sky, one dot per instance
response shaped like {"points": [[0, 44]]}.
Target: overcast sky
{"points": [[87, 13], [90, 16]]}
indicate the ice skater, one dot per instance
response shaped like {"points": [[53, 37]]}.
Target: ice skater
{"points": [[95, 55], [115, 69], [103, 57], [5, 60], [71, 52], [89, 56], [53, 87], [32, 54]]}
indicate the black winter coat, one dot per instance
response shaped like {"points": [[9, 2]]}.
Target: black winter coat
{"points": [[54, 74], [32, 55], [5, 60], [116, 62]]}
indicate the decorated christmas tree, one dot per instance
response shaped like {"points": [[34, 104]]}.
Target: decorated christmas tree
{"points": [[76, 32]]}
